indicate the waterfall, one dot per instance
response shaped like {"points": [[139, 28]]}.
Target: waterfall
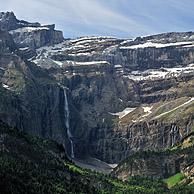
{"points": [[69, 135], [172, 135]]}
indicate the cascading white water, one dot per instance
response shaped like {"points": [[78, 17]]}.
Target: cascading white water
{"points": [[172, 135], [67, 124]]}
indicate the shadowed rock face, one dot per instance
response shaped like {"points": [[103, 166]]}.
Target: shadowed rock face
{"points": [[6, 42], [153, 165], [29, 98], [115, 145]]}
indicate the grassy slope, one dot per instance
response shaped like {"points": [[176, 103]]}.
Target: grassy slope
{"points": [[174, 180]]}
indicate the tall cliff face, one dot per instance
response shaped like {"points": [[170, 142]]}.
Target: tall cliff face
{"points": [[30, 99], [106, 75], [123, 95], [98, 96], [95, 94], [158, 125], [165, 50], [161, 164]]}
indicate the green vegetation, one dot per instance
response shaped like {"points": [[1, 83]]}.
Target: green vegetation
{"points": [[31, 165], [174, 180], [76, 169]]}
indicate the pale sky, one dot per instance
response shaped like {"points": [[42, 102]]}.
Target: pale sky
{"points": [[118, 18]]}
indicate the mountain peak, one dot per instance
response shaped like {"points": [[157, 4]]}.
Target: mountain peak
{"points": [[26, 34], [7, 14], [8, 21]]}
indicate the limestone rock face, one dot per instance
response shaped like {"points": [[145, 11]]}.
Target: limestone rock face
{"points": [[165, 50], [127, 140], [106, 75]]}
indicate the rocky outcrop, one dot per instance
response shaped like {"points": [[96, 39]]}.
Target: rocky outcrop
{"points": [[26, 34], [30, 98], [115, 145], [8, 21], [149, 164], [160, 164], [165, 50], [35, 37]]}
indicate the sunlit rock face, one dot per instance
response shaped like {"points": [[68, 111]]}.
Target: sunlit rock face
{"points": [[35, 37]]}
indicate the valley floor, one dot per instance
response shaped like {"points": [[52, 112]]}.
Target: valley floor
{"points": [[95, 165]]}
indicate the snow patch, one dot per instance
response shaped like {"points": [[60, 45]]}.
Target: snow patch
{"points": [[92, 38], [118, 66], [6, 86], [80, 54], [113, 165], [126, 41], [120, 100], [123, 113], [92, 63], [147, 109], [28, 29], [58, 63], [161, 73], [156, 45], [23, 49]]}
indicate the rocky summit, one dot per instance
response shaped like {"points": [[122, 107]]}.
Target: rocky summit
{"points": [[123, 107]]}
